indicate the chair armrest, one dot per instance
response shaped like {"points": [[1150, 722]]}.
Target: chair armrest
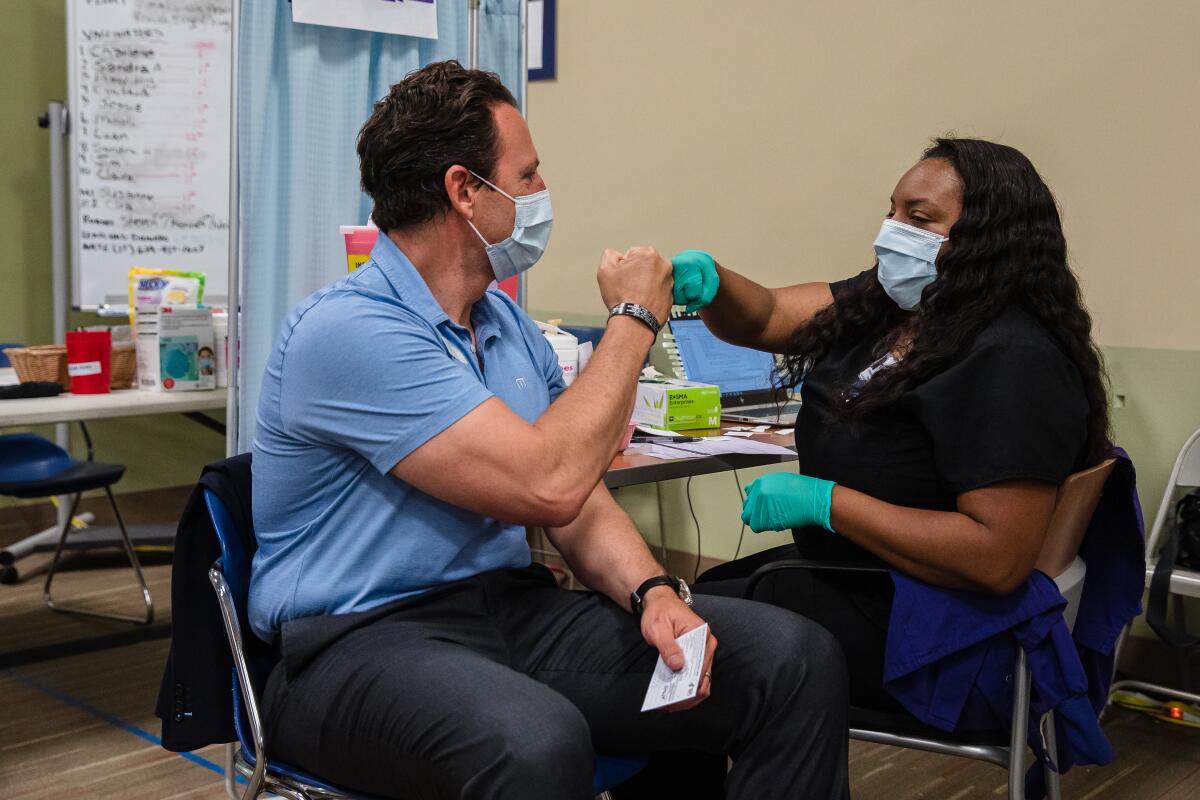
{"points": [[807, 564]]}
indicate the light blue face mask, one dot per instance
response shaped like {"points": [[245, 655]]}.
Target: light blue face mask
{"points": [[531, 233], [906, 261]]}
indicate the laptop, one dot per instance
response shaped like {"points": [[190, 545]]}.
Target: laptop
{"points": [[744, 376]]}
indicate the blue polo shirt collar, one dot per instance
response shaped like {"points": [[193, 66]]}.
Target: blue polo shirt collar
{"points": [[406, 281], [412, 289]]}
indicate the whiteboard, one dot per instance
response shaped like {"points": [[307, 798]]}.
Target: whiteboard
{"points": [[149, 113]]}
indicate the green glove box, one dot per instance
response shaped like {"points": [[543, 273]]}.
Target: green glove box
{"points": [[676, 405]]}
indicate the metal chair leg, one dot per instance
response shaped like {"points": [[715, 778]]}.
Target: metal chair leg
{"points": [[231, 774], [604, 796], [147, 602], [1020, 724], [1155, 689], [1049, 738]]}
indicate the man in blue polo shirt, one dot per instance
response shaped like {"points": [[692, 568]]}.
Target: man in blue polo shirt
{"points": [[412, 423]]}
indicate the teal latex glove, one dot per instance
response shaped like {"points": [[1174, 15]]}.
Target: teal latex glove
{"points": [[783, 500], [696, 280]]}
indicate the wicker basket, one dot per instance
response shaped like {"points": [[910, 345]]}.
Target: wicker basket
{"points": [[124, 367], [47, 362]]}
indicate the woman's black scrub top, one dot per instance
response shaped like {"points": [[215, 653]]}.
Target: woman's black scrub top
{"points": [[1012, 407]]}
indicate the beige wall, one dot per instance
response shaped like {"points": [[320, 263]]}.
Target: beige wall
{"points": [[33, 57], [773, 136]]}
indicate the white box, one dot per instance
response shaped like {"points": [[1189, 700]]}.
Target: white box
{"points": [[175, 349]]}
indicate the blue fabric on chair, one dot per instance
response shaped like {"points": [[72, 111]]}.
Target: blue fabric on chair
{"points": [[235, 560], [31, 466], [4, 362], [614, 770]]}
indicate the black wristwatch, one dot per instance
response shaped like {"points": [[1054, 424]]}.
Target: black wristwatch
{"points": [[637, 600], [640, 313]]}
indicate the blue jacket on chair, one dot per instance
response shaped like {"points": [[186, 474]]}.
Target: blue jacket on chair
{"points": [[950, 654]]}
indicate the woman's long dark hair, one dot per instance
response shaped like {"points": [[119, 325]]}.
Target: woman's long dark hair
{"points": [[1007, 248]]}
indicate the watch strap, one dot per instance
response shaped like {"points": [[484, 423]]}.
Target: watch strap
{"points": [[638, 312], [638, 598]]}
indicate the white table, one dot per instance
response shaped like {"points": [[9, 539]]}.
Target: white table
{"points": [[69, 407], [122, 403]]}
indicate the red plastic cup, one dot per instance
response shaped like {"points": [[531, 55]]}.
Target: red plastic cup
{"points": [[89, 361]]}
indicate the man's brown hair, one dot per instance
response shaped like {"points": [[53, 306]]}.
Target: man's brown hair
{"points": [[438, 116]]}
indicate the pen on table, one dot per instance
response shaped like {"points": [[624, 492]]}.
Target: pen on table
{"points": [[663, 439]]}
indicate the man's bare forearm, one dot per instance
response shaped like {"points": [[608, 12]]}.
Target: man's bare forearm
{"points": [[604, 548], [592, 415]]}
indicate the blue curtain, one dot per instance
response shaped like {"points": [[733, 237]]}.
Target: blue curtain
{"points": [[303, 93]]}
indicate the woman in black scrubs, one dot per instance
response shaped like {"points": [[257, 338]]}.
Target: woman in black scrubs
{"points": [[947, 392]]}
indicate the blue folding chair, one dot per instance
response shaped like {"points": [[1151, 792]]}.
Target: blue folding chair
{"points": [[230, 577], [31, 467]]}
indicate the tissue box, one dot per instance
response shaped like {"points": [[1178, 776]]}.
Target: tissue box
{"points": [[676, 405], [175, 349]]}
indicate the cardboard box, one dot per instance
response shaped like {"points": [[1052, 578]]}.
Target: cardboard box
{"points": [[676, 405], [175, 349]]}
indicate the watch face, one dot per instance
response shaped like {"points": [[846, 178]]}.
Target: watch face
{"points": [[685, 592]]}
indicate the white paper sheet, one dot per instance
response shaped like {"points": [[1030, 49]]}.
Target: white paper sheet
{"points": [[534, 21], [408, 18], [667, 687], [712, 446], [658, 451], [720, 446]]}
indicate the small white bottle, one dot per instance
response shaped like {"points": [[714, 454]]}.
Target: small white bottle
{"points": [[566, 347], [221, 345]]}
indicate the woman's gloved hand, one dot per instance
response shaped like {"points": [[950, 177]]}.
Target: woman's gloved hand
{"points": [[783, 500], [696, 280]]}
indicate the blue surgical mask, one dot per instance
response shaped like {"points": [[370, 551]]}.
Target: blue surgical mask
{"points": [[906, 261], [531, 232]]}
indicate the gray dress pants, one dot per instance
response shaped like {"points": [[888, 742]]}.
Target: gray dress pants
{"points": [[504, 686]]}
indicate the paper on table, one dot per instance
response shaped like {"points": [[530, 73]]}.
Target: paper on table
{"points": [[665, 452], [761, 428], [784, 431], [649, 431], [667, 687], [712, 446], [720, 446], [740, 434]]}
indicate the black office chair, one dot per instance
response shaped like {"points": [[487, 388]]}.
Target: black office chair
{"points": [[33, 467]]}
